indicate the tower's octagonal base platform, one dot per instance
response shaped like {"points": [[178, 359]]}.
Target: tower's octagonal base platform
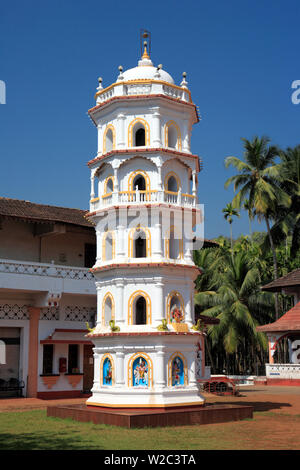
{"points": [[139, 418]]}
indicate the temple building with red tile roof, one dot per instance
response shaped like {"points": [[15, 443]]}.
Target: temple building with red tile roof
{"points": [[287, 326]]}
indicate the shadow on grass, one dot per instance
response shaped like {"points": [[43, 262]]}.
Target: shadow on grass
{"points": [[42, 441], [257, 405]]}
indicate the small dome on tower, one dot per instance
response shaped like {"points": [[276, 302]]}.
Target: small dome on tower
{"points": [[147, 72]]}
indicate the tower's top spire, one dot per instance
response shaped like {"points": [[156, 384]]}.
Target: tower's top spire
{"points": [[145, 43]]}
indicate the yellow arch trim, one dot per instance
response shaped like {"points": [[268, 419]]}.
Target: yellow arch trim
{"points": [[168, 176], [133, 296], [113, 244], [110, 177], [150, 368], [112, 128], [147, 131], [131, 240], [171, 230], [172, 294], [132, 177], [173, 124], [108, 295], [185, 372], [109, 356]]}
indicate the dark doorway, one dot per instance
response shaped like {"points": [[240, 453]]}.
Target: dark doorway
{"points": [[140, 246], [140, 311], [140, 183], [140, 137], [88, 368]]}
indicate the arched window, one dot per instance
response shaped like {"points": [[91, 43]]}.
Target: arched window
{"points": [[140, 242], [139, 308], [172, 135], [108, 185], [140, 313], [108, 309], [140, 137], [138, 133], [174, 244], [108, 246], [172, 182], [139, 182], [109, 138]]}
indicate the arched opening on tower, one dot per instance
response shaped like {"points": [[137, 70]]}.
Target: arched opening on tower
{"points": [[174, 245], [109, 186], [107, 310], [140, 245], [140, 315], [172, 184], [172, 137], [108, 252], [139, 182], [140, 137], [109, 140]]}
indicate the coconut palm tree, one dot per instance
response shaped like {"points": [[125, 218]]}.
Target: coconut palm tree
{"points": [[258, 180], [238, 303], [229, 213], [287, 223], [248, 208]]}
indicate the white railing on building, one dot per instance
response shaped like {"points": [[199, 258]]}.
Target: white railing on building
{"points": [[44, 269], [147, 88], [148, 196]]}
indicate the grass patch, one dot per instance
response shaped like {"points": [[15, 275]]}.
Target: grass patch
{"points": [[33, 430]]}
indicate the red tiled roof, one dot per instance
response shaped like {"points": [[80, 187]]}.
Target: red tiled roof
{"points": [[43, 213], [290, 279], [141, 150], [139, 97], [290, 321]]}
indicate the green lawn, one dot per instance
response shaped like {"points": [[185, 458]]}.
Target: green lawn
{"points": [[32, 430]]}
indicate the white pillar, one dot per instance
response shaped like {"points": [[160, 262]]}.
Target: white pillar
{"points": [[120, 364], [121, 134], [92, 186], [100, 140], [119, 304], [185, 142], [158, 310], [160, 367], [156, 142], [99, 304], [194, 188]]}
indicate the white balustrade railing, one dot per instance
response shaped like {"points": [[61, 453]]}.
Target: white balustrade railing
{"points": [[43, 269], [121, 88], [136, 197]]}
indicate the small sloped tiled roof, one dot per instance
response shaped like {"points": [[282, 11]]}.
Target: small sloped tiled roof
{"points": [[290, 279], [42, 213], [290, 321]]}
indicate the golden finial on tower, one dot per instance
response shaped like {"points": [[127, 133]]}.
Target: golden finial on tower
{"points": [[145, 42]]}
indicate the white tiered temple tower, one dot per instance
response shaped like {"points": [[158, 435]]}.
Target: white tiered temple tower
{"points": [[144, 204]]}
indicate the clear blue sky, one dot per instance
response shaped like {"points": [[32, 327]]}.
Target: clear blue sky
{"points": [[240, 56]]}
